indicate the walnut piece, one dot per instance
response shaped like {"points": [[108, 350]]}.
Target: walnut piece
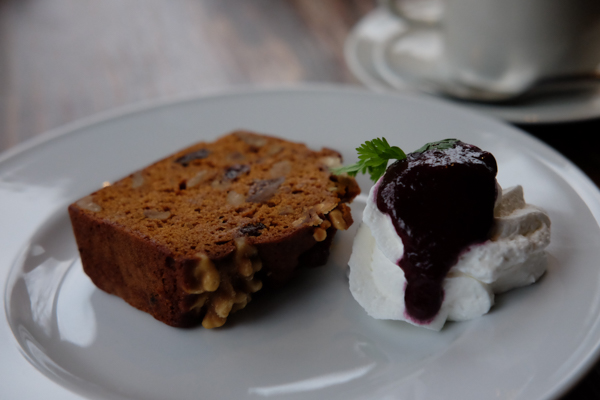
{"points": [[87, 203], [206, 276], [262, 190], [337, 220], [200, 177], [280, 169], [235, 199], [155, 214], [137, 180], [320, 234]]}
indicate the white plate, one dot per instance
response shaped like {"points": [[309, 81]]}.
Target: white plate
{"points": [[371, 57], [311, 340]]}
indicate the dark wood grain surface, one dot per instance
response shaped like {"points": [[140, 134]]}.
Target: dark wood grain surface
{"points": [[62, 60]]}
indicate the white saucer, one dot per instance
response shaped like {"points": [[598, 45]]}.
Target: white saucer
{"points": [[374, 61]]}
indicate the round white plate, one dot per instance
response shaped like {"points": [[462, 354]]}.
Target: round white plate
{"points": [[382, 64], [310, 340]]}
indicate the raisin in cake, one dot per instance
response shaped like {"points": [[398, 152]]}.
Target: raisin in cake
{"points": [[191, 237]]}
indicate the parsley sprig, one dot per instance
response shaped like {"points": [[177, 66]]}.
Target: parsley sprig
{"points": [[374, 155], [373, 158]]}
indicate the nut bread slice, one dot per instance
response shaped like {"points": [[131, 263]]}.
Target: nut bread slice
{"points": [[190, 238]]}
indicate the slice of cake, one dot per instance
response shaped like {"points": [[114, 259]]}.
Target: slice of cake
{"points": [[191, 237]]}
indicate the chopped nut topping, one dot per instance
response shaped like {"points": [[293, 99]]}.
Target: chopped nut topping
{"points": [[256, 265], [253, 285], [87, 203], [325, 207], [200, 177], [274, 149], [300, 221], [154, 214], [206, 276], [235, 199], [240, 297], [331, 161], [137, 179], [200, 302], [337, 220], [243, 249], [320, 234], [245, 267], [280, 169], [245, 258], [222, 306], [212, 320], [314, 218], [240, 301], [262, 190], [252, 140]]}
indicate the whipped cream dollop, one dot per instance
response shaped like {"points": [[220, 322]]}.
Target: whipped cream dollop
{"points": [[513, 256]]}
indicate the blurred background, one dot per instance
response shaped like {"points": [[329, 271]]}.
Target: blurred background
{"points": [[63, 60]]}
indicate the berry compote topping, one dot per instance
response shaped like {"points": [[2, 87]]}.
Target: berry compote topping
{"points": [[440, 202]]}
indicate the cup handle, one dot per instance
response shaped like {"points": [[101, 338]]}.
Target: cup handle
{"points": [[418, 11]]}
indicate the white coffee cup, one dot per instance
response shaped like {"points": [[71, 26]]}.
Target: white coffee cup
{"points": [[498, 49]]}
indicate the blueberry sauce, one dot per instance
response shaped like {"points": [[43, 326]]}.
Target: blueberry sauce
{"points": [[440, 202]]}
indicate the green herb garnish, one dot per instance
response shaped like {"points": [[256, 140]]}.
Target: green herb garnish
{"points": [[440, 145], [374, 156]]}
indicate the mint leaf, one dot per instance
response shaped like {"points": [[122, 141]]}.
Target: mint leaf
{"points": [[439, 145], [373, 158]]}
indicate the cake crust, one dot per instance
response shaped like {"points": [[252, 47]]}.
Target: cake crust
{"points": [[189, 238]]}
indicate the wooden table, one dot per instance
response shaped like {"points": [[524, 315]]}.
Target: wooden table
{"points": [[62, 60]]}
